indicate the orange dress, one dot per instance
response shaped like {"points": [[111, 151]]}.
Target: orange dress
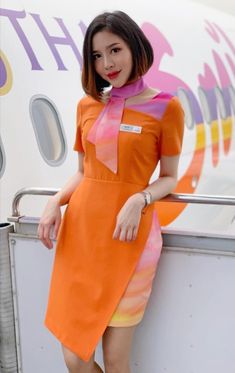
{"points": [[98, 281]]}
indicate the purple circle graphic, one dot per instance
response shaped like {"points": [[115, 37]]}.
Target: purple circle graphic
{"points": [[3, 73]]}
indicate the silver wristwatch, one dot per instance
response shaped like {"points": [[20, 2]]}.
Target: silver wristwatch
{"points": [[147, 197]]}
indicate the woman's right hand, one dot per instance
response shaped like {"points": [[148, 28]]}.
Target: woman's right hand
{"points": [[50, 217]]}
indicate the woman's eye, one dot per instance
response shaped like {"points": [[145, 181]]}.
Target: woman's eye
{"points": [[96, 56], [115, 50]]}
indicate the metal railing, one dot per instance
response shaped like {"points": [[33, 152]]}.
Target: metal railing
{"points": [[28, 191], [174, 197], [206, 199]]}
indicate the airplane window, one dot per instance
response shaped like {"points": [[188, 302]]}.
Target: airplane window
{"points": [[221, 104], [186, 103], [232, 97], [206, 111], [48, 130], [2, 159]]}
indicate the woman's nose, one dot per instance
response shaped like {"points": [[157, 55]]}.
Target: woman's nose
{"points": [[108, 62]]}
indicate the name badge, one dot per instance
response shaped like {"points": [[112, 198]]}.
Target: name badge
{"points": [[130, 128]]}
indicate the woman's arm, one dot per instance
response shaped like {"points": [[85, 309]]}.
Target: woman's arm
{"points": [[52, 214], [63, 196], [128, 219], [167, 180]]}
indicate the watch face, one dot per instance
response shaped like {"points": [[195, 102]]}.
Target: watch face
{"points": [[148, 199]]}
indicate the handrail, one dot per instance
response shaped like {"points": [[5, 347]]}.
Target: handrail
{"points": [[173, 197], [206, 199], [28, 191]]}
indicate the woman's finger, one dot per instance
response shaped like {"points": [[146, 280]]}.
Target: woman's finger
{"points": [[45, 242], [46, 236], [122, 235], [135, 231], [56, 227], [116, 232], [129, 234], [41, 235]]}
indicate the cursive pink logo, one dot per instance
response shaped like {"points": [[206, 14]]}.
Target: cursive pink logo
{"points": [[215, 107]]}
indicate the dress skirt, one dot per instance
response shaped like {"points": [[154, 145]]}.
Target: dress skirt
{"points": [[98, 281]]}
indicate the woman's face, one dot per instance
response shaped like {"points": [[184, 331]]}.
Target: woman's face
{"points": [[112, 58]]}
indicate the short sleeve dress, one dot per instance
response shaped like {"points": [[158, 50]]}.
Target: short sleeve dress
{"points": [[98, 281]]}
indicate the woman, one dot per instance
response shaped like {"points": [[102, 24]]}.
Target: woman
{"points": [[109, 241]]}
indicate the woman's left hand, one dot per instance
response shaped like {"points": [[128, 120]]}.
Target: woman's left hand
{"points": [[128, 218]]}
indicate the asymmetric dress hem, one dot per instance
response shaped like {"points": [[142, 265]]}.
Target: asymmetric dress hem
{"points": [[98, 281]]}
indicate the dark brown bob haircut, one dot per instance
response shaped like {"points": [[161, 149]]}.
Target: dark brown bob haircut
{"points": [[121, 24]]}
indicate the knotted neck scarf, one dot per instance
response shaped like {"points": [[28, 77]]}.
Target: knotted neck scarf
{"points": [[105, 130]]}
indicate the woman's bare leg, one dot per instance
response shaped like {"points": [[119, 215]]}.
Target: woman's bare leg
{"points": [[77, 365], [117, 343]]}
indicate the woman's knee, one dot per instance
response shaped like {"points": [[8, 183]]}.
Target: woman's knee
{"points": [[115, 363], [74, 363], [117, 344]]}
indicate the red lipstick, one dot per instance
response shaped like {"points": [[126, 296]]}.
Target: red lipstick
{"points": [[113, 75]]}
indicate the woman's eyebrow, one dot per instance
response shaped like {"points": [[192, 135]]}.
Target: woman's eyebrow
{"points": [[107, 47]]}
